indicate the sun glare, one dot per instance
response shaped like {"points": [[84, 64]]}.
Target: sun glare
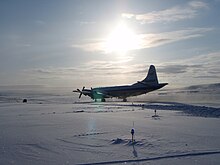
{"points": [[121, 40]]}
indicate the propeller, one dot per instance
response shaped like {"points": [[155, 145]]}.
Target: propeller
{"points": [[79, 91]]}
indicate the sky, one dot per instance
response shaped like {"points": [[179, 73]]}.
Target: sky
{"points": [[75, 43]]}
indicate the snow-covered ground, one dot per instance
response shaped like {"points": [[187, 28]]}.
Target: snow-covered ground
{"points": [[56, 129]]}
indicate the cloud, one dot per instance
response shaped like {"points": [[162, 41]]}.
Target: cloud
{"points": [[207, 59], [210, 63], [90, 68], [198, 69], [149, 40], [90, 47], [93, 72], [208, 77], [62, 71], [198, 5], [127, 15], [157, 39], [176, 13], [173, 69], [104, 73], [87, 22]]}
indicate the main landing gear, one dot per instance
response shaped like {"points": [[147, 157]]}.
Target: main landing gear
{"points": [[125, 100]]}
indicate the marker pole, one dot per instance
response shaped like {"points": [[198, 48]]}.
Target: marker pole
{"points": [[132, 135]]}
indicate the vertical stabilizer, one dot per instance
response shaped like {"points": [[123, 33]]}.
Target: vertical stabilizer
{"points": [[151, 76]]}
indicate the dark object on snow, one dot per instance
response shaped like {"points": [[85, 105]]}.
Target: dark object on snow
{"points": [[24, 100], [132, 135], [155, 114]]}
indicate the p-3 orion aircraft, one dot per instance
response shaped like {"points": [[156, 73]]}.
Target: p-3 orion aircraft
{"points": [[150, 83]]}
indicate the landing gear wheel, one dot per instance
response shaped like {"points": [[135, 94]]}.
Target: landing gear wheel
{"points": [[103, 100], [125, 100]]}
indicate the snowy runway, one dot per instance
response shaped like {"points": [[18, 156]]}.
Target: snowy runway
{"points": [[99, 133]]}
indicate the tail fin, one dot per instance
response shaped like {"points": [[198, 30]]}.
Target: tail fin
{"points": [[151, 76]]}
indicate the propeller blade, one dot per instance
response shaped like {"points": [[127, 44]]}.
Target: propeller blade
{"points": [[81, 92], [80, 95]]}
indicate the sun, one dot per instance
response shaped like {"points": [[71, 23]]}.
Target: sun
{"points": [[121, 40]]}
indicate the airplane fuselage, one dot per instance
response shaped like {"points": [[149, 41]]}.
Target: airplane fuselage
{"points": [[124, 91]]}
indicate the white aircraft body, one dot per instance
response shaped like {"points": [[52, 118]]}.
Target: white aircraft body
{"points": [[150, 83]]}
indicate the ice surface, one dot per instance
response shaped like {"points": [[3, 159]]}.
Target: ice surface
{"points": [[57, 129]]}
